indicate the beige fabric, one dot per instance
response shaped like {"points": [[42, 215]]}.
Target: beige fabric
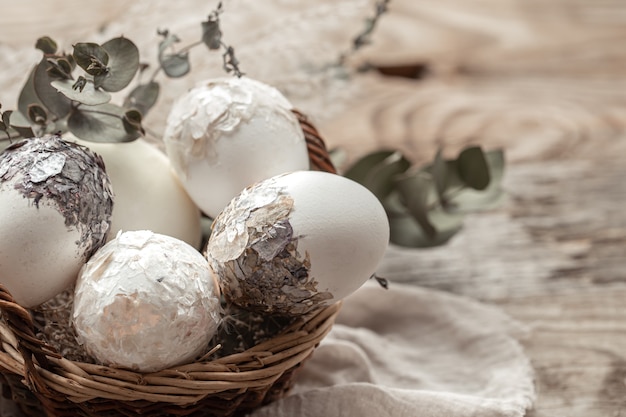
{"points": [[416, 353]]}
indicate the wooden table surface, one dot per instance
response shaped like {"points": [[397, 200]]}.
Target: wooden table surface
{"points": [[544, 79]]}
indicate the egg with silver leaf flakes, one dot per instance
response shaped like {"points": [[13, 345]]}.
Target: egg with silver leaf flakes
{"points": [[228, 133], [297, 242], [55, 210], [146, 301]]}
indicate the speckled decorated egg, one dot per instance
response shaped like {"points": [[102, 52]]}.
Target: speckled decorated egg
{"points": [[228, 133], [297, 242], [55, 211], [146, 301]]}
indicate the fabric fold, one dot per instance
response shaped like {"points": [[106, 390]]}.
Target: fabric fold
{"points": [[414, 352]]}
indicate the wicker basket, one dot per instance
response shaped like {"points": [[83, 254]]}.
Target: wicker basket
{"points": [[42, 382]]}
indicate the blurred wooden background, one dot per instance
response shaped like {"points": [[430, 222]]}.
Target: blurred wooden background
{"points": [[545, 79]]}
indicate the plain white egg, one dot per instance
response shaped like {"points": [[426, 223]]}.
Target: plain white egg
{"points": [[55, 209], [228, 133], [148, 193], [298, 241], [146, 301]]}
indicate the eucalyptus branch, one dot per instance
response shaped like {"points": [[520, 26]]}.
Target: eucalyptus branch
{"points": [[364, 37]]}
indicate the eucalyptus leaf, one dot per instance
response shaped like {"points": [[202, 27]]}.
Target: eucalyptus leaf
{"points": [[359, 170], [169, 39], [46, 45], [88, 95], [102, 123], [416, 191], [60, 67], [470, 200], [122, 65], [439, 172], [143, 97], [406, 231], [422, 223], [472, 168], [27, 94], [132, 122], [377, 171], [21, 124], [55, 102], [381, 179], [6, 119], [176, 65], [37, 114], [211, 33], [91, 57]]}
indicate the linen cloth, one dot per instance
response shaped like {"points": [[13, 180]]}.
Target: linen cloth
{"points": [[413, 352]]}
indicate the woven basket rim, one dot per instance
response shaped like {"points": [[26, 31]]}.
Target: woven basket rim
{"points": [[258, 366]]}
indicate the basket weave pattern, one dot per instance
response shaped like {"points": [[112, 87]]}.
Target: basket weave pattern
{"points": [[42, 382]]}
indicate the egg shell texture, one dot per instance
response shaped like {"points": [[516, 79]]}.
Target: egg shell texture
{"points": [[39, 257], [55, 209], [229, 133], [146, 301], [148, 193], [298, 241]]}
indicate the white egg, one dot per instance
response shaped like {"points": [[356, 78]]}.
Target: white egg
{"points": [[55, 209], [146, 301], [148, 193], [229, 133], [296, 242]]}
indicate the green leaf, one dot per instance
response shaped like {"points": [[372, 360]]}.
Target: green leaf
{"points": [[6, 120], [378, 170], [102, 123], [472, 168], [211, 33], [91, 57], [176, 65], [470, 200], [122, 65], [415, 192], [60, 67], [406, 231], [27, 94], [143, 97], [381, 179], [439, 172], [414, 217], [88, 95], [46, 45], [55, 102], [21, 124], [359, 170]]}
